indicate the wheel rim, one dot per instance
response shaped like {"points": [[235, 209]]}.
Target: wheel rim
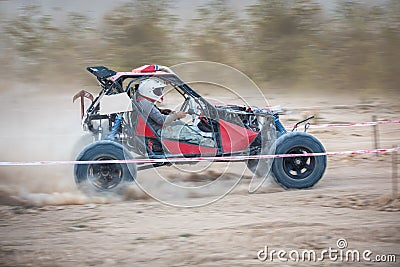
{"points": [[105, 176], [299, 167]]}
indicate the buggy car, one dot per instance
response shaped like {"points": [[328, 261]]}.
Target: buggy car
{"points": [[215, 131]]}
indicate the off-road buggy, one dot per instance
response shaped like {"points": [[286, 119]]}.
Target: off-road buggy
{"points": [[215, 131]]}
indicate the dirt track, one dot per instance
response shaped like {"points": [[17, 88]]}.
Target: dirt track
{"points": [[45, 221]]}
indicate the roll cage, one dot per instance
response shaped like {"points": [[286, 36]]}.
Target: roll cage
{"points": [[113, 82], [233, 118]]}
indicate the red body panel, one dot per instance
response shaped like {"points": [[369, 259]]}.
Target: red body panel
{"points": [[142, 129], [146, 68], [235, 138], [176, 147]]}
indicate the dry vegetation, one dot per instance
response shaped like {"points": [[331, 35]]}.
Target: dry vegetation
{"points": [[295, 44]]}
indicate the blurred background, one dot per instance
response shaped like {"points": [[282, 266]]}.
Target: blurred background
{"points": [[332, 45]]}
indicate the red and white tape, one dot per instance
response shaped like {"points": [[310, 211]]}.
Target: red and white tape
{"points": [[197, 159], [355, 124], [226, 158]]}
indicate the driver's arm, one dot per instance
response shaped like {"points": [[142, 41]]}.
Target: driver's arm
{"points": [[162, 119], [174, 116]]}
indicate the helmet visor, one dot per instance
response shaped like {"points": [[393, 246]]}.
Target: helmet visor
{"points": [[158, 91]]}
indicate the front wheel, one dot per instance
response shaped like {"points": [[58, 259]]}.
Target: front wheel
{"points": [[108, 177], [303, 171]]}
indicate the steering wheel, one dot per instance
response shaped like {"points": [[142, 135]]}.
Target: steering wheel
{"points": [[190, 105]]}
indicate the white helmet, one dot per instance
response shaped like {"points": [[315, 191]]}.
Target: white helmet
{"points": [[152, 88]]}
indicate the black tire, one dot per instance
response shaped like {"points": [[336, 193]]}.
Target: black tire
{"points": [[92, 178], [298, 172]]}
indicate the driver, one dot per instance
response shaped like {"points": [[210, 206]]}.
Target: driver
{"points": [[151, 91]]}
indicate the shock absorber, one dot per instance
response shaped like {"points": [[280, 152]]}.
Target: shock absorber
{"points": [[278, 124], [115, 128]]}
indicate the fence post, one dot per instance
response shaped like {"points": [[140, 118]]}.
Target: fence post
{"points": [[394, 174], [376, 134]]}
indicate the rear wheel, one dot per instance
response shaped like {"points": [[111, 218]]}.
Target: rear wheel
{"points": [[303, 171], [107, 177]]}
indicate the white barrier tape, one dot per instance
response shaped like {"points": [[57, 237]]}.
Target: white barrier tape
{"points": [[356, 124], [196, 159]]}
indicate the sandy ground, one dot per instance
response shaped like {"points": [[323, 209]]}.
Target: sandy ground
{"points": [[45, 221]]}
